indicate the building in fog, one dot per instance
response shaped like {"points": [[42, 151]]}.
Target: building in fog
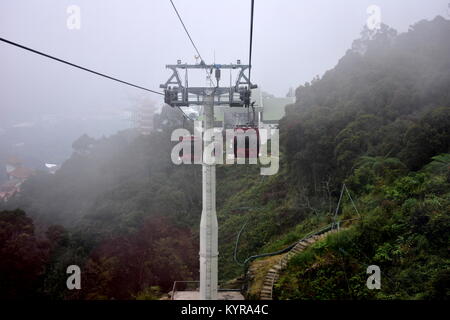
{"points": [[142, 117], [9, 189], [267, 112], [21, 174], [273, 109], [17, 175], [12, 164], [52, 168]]}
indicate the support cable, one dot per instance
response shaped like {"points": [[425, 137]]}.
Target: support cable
{"points": [[77, 66], [343, 252], [86, 69], [186, 30], [184, 114], [192, 42], [251, 41]]}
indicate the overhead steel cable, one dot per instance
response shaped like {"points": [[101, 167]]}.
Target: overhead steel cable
{"points": [[185, 29], [192, 41], [251, 41], [77, 66], [86, 69], [184, 114]]}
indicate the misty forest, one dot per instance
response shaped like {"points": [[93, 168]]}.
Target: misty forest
{"points": [[366, 144]]}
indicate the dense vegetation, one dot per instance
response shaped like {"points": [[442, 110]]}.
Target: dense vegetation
{"points": [[403, 230], [130, 217], [120, 210]]}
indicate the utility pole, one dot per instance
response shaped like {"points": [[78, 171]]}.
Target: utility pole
{"points": [[182, 95], [208, 224]]}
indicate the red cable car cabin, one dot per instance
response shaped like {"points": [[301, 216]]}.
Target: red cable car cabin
{"points": [[247, 150], [188, 142]]}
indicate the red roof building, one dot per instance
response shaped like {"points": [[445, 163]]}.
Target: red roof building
{"points": [[14, 161], [21, 173], [8, 189]]}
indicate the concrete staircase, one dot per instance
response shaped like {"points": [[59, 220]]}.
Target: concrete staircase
{"points": [[274, 272]]}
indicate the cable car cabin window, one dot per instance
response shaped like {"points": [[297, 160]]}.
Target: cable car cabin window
{"points": [[248, 150]]}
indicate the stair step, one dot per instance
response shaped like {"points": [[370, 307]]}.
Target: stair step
{"points": [[276, 267], [273, 273]]}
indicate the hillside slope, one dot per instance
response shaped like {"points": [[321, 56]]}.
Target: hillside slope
{"points": [[373, 122]]}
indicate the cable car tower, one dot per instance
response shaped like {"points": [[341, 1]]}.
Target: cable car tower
{"points": [[177, 94]]}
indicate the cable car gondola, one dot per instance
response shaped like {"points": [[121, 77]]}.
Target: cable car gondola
{"points": [[247, 130]]}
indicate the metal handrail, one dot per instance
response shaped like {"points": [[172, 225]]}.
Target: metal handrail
{"points": [[287, 249], [285, 258]]}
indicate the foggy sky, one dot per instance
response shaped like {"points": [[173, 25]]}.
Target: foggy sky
{"points": [[294, 40]]}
